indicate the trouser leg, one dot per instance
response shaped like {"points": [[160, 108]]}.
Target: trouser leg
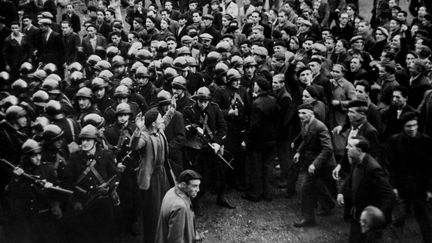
{"points": [[308, 196]]}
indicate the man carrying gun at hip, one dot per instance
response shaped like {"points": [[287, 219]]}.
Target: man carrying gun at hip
{"points": [[204, 121]]}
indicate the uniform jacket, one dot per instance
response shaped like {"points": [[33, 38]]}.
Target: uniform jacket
{"points": [[315, 146], [369, 187], [176, 220]]}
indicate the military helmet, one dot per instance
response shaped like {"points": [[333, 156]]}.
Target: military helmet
{"points": [[19, 85], [50, 68], [179, 82], [170, 73], [249, 61], [220, 69], [51, 86], [84, 92], [77, 77], [52, 133], [106, 75], [76, 66], [88, 132], [54, 76], [144, 56], [53, 107], [163, 98], [135, 67], [30, 146], [9, 101], [233, 74], [236, 61], [94, 119], [98, 83], [14, 112], [203, 93], [112, 51], [40, 98], [118, 61], [180, 63], [102, 65], [166, 62], [142, 71], [122, 91], [39, 74], [26, 68], [128, 82], [39, 123], [92, 60], [123, 108]]}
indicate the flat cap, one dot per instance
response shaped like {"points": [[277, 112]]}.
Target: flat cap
{"points": [[186, 39], [260, 51], [206, 36]]}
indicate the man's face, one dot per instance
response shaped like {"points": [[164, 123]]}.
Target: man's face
{"points": [[354, 115], [66, 29], [355, 65], [91, 31], [15, 29], [87, 144], [275, 63], [100, 16], [422, 11], [336, 72], [277, 84], [69, 8], [413, 69], [115, 39], [208, 22], [394, 25], [196, 18], [100, 93], [245, 49], [325, 34], [255, 18], [343, 19], [279, 49], [250, 71], [409, 59], [353, 152], [255, 34], [136, 25], [193, 6], [164, 15], [22, 122], [358, 45], [177, 93], [182, 22], [398, 100], [84, 103], [202, 103], [304, 116], [411, 128], [149, 24], [123, 119], [168, 6], [361, 93], [26, 22], [281, 17], [306, 77], [142, 81], [192, 188], [329, 43], [108, 16], [307, 45], [35, 159], [339, 48], [172, 45], [363, 28], [315, 67], [401, 16]]}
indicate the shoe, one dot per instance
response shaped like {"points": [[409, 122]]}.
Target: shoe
{"points": [[324, 213], [250, 198], [290, 194], [304, 223], [223, 202]]}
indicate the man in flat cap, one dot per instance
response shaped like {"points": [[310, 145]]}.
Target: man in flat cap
{"points": [[210, 29], [315, 160]]}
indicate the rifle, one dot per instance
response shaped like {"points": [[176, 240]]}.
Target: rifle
{"points": [[101, 190], [37, 179], [205, 141]]}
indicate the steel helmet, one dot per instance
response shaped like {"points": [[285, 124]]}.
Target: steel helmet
{"points": [[39, 74], [39, 123], [88, 132], [77, 77], [54, 76], [98, 83], [170, 73], [163, 98], [144, 56], [135, 66], [95, 120], [30, 146], [249, 61], [128, 82], [180, 63], [19, 85], [40, 98], [52, 133], [142, 71], [106, 75], [220, 69], [53, 107], [179, 82], [92, 60], [166, 62], [102, 65], [122, 91], [51, 86], [112, 51], [26, 68], [203, 93], [123, 108], [50, 68], [236, 61], [76, 66], [14, 112], [84, 92], [118, 61], [9, 100], [233, 74]]}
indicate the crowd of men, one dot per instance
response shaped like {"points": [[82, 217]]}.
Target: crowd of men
{"points": [[101, 113]]}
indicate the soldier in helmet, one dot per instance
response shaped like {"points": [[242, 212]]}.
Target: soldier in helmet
{"points": [[20, 89], [25, 71], [181, 94], [52, 87], [68, 125], [234, 102], [77, 81], [134, 96], [118, 135], [119, 68], [98, 122], [101, 92], [12, 136], [219, 76], [122, 95], [35, 208], [144, 86], [54, 148], [84, 99], [206, 118], [208, 66], [39, 100], [86, 172]]}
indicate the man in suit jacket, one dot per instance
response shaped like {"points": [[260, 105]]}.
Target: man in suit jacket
{"points": [[72, 17], [51, 49], [72, 42], [418, 83], [16, 50], [366, 185], [92, 42], [314, 157], [32, 32]]}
